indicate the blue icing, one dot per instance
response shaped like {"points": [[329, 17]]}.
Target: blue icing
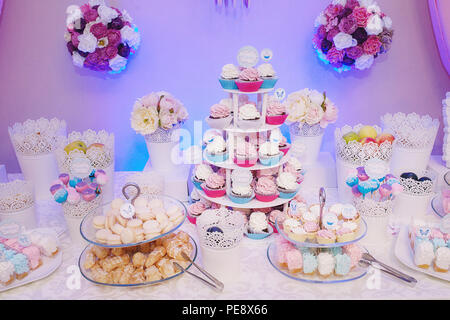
{"points": [[343, 264], [20, 263], [437, 243], [352, 181], [309, 263], [9, 254], [336, 250], [2, 247]]}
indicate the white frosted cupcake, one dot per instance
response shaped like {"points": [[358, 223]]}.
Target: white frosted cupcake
{"points": [[326, 263], [269, 153], [249, 117], [201, 173], [287, 185], [216, 150], [258, 223]]}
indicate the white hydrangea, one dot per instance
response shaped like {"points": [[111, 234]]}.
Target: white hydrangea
{"points": [[126, 16], [130, 37], [67, 36], [107, 14], [387, 22], [320, 20], [374, 25], [341, 2], [73, 14], [366, 3], [93, 3], [88, 42], [78, 60], [118, 63], [343, 40], [364, 62]]}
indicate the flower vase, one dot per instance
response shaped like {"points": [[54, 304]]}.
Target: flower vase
{"points": [[310, 137], [163, 150]]}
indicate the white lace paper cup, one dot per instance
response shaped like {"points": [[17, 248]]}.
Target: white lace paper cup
{"points": [[34, 142], [311, 145], [17, 203], [74, 214], [99, 157]]}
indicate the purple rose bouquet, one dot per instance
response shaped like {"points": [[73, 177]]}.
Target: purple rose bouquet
{"points": [[350, 34], [99, 37]]}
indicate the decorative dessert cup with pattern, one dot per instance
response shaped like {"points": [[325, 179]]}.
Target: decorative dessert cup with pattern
{"points": [[414, 140], [354, 154], [267, 160], [287, 194], [197, 183], [228, 84], [213, 193], [35, 142], [97, 147], [17, 203], [240, 199], [249, 86], [310, 137], [276, 120], [217, 157], [249, 124], [245, 162], [285, 148], [268, 82], [219, 123]]}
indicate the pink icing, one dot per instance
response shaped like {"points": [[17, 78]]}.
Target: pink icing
{"points": [[249, 74], [327, 234], [14, 244], [310, 226], [276, 109], [274, 215], [294, 259], [266, 172], [343, 231], [247, 150], [266, 186], [33, 254], [215, 181], [197, 208], [219, 111], [283, 142], [222, 172], [354, 252], [282, 248], [436, 233]]}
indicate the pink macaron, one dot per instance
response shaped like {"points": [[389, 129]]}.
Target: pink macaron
{"points": [[88, 195], [81, 186]]}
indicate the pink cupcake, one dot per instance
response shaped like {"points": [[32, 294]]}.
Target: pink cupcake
{"points": [[354, 252], [195, 210], [266, 190], [246, 155], [219, 117], [276, 112], [214, 187], [249, 80], [273, 216], [284, 146]]}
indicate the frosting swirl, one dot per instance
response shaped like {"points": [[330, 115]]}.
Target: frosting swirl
{"points": [[230, 71], [203, 171], [257, 222], [219, 111], [242, 190], [249, 74], [197, 208], [217, 145], [266, 186], [269, 149], [287, 181], [266, 70], [215, 181], [249, 112]]}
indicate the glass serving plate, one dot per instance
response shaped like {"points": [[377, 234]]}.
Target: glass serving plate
{"points": [[438, 209], [86, 273], [354, 274], [88, 231], [361, 233]]}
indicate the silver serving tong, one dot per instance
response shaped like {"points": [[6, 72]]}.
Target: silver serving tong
{"points": [[368, 259], [322, 200], [127, 196], [216, 284]]}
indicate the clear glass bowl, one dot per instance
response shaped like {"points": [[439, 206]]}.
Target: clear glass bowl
{"points": [[436, 204], [88, 231], [361, 233], [86, 273], [354, 274]]}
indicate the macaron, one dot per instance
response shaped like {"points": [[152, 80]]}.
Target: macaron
{"points": [[134, 224], [81, 186], [88, 195], [127, 235], [139, 235], [99, 172], [60, 195], [114, 239], [116, 204], [110, 221], [99, 222], [73, 197], [64, 178], [102, 235], [55, 188], [141, 202], [101, 179], [96, 187], [117, 228], [74, 181]]}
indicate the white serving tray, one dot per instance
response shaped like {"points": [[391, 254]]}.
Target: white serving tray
{"points": [[404, 253]]}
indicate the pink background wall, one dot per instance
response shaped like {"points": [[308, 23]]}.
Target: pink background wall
{"points": [[184, 45]]}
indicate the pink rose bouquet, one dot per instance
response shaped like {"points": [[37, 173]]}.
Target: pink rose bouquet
{"points": [[310, 107], [350, 34], [99, 37], [157, 110]]}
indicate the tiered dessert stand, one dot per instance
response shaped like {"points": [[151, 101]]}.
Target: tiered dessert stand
{"points": [[232, 133]]}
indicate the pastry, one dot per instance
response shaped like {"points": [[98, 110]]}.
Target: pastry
{"points": [[311, 229], [117, 251], [21, 266], [267, 73], [102, 235], [249, 80], [166, 267], [138, 259], [216, 150], [309, 263], [343, 264], [152, 274], [325, 236], [245, 154], [354, 252], [442, 260], [155, 256], [227, 78], [294, 261], [219, 116], [6, 273], [258, 223], [100, 252], [34, 256], [344, 234], [287, 185], [326, 264], [127, 236], [99, 222], [113, 239], [298, 234], [214, 186]]}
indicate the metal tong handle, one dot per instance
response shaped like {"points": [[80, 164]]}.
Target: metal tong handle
{"points": [[218, 285], [368, 263], [322, 200], [127, 196], [400, 274]]}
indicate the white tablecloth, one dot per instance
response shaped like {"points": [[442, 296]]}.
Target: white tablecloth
{"points": [[258, 279]]}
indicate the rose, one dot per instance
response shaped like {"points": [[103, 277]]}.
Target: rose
{"points": [[354, 52], [99, 30], [331, 24], [348, 25], [372, 45], [374, 25], [144, 120], [321, 32], [92, 60], [333, 32], [364, 62], [314, 115], [130, 37], [89, 14], [343, 40], [88, 42], [361, 15], [111, 52], [150, 100], [74, 38], [114, 37], [332, 11], [334, 55], [352, 4], [118, 63]]}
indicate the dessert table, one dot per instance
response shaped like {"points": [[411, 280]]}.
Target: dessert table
{"points": [[258, 279]]}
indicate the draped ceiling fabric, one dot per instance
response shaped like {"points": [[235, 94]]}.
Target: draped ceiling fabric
{"points": [[440, 16]]}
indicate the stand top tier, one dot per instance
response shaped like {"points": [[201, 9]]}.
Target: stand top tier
{"points": [[254, 92]]}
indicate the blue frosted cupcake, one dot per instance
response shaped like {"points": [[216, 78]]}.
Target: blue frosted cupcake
{"points": [[268, 74], [200, 174], [343, 264], [216, 150], [287, 185], [228, 77], [270, 154]]}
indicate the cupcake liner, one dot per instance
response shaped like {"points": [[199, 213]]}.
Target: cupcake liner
{"points": [[240, 199], [273, 226], [219, 124], [245, 163], [197, 183], [266, 198], [276, 120], [249, 124], [213, 193], [249, 86], [260, 236], [287, 194], [192, 219], [270, 160], [228, 84], [222, 157], [269, 82], [285, 149]]}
